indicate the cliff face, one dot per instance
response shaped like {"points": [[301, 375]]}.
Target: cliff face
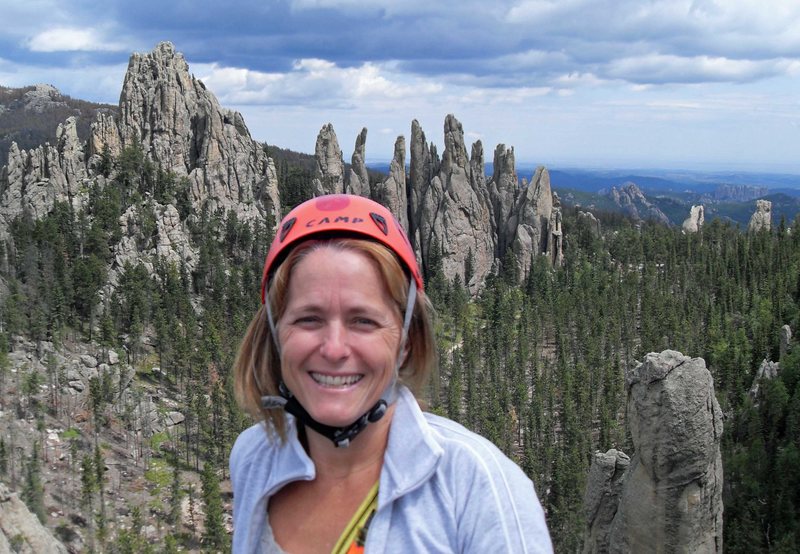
{"points": [[447, 206], [670, 496]]}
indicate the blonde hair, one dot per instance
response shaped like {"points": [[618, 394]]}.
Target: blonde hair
{"points": [[257, 369]]}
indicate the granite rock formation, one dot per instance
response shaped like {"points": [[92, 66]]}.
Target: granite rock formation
{"points": [[392, 191], [671, 494], [785, 341], [761, 220], [21, 531], [182, 127], [603, 490], [635, 204], [358, 178], [27, 116], [589, 219], [450, 211], [694, 222], [329, 178], [178, 124], [767, 371], [33, 181]]}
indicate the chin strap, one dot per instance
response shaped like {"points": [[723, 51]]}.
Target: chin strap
{"points": [[341, 436]]}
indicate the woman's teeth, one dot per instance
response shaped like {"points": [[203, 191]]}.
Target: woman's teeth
{"points": [[336, 380]]}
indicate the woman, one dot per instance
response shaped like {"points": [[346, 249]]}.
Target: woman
{"points": [[344, 459]]}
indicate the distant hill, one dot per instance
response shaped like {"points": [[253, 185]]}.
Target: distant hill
{"points": [[729, 196], [30, 115]]}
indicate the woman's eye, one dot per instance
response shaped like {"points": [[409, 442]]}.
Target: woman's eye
{"points": [[306, 320], [365, 322]]}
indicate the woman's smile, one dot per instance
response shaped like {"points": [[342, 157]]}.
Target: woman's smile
{"points": [[335, 381]]}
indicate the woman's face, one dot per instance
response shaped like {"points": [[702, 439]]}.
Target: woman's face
{"points": [[339, 335]]}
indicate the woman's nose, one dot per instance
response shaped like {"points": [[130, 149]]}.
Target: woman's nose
{"points": [[334, 342]]}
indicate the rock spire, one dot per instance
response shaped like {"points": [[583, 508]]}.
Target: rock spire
{"points": [[694, 222], [670, 496], [762, 217], [452, 213]]}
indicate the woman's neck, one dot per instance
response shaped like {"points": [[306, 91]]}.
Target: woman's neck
{"points": [[364, 454]]}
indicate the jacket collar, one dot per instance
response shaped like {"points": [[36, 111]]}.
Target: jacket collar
{"points": [[412, 453], [290, 463]]}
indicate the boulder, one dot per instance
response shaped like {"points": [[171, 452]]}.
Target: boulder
{"points": [[88, 361]]}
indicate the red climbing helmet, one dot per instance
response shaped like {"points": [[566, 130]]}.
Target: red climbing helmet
{"points": [[345, 214]]}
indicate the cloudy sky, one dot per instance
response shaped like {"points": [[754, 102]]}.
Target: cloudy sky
{"points": [[696, 84]]}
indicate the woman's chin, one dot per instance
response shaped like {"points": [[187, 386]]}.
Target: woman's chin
{"points": [[338, 419]]}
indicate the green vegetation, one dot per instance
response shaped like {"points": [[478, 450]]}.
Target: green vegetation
{"points": [[536, 367]]}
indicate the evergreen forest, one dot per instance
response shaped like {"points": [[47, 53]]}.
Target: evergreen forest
{"points": [[535, 362]]}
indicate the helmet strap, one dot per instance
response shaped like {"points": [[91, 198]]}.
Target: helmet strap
{"points": [[341, 436]]}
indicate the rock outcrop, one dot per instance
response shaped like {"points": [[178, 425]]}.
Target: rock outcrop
{"points": [[329, 178], [33, 181], [27, 115], [21, 531], [603, 490], [182, 127], [451, 212], [785, 341], [694, 222], [593, 224], [178, 124], [392, 191], [358, 178], [635, 204], [453, 215], [761, 220], [767, 371], [671, 494]]}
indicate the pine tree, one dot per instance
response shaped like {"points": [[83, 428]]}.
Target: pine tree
{"points": [[214, 537], [33, 489]]}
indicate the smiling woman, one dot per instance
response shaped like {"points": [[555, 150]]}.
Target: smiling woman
{"points": [[344, 459]]}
